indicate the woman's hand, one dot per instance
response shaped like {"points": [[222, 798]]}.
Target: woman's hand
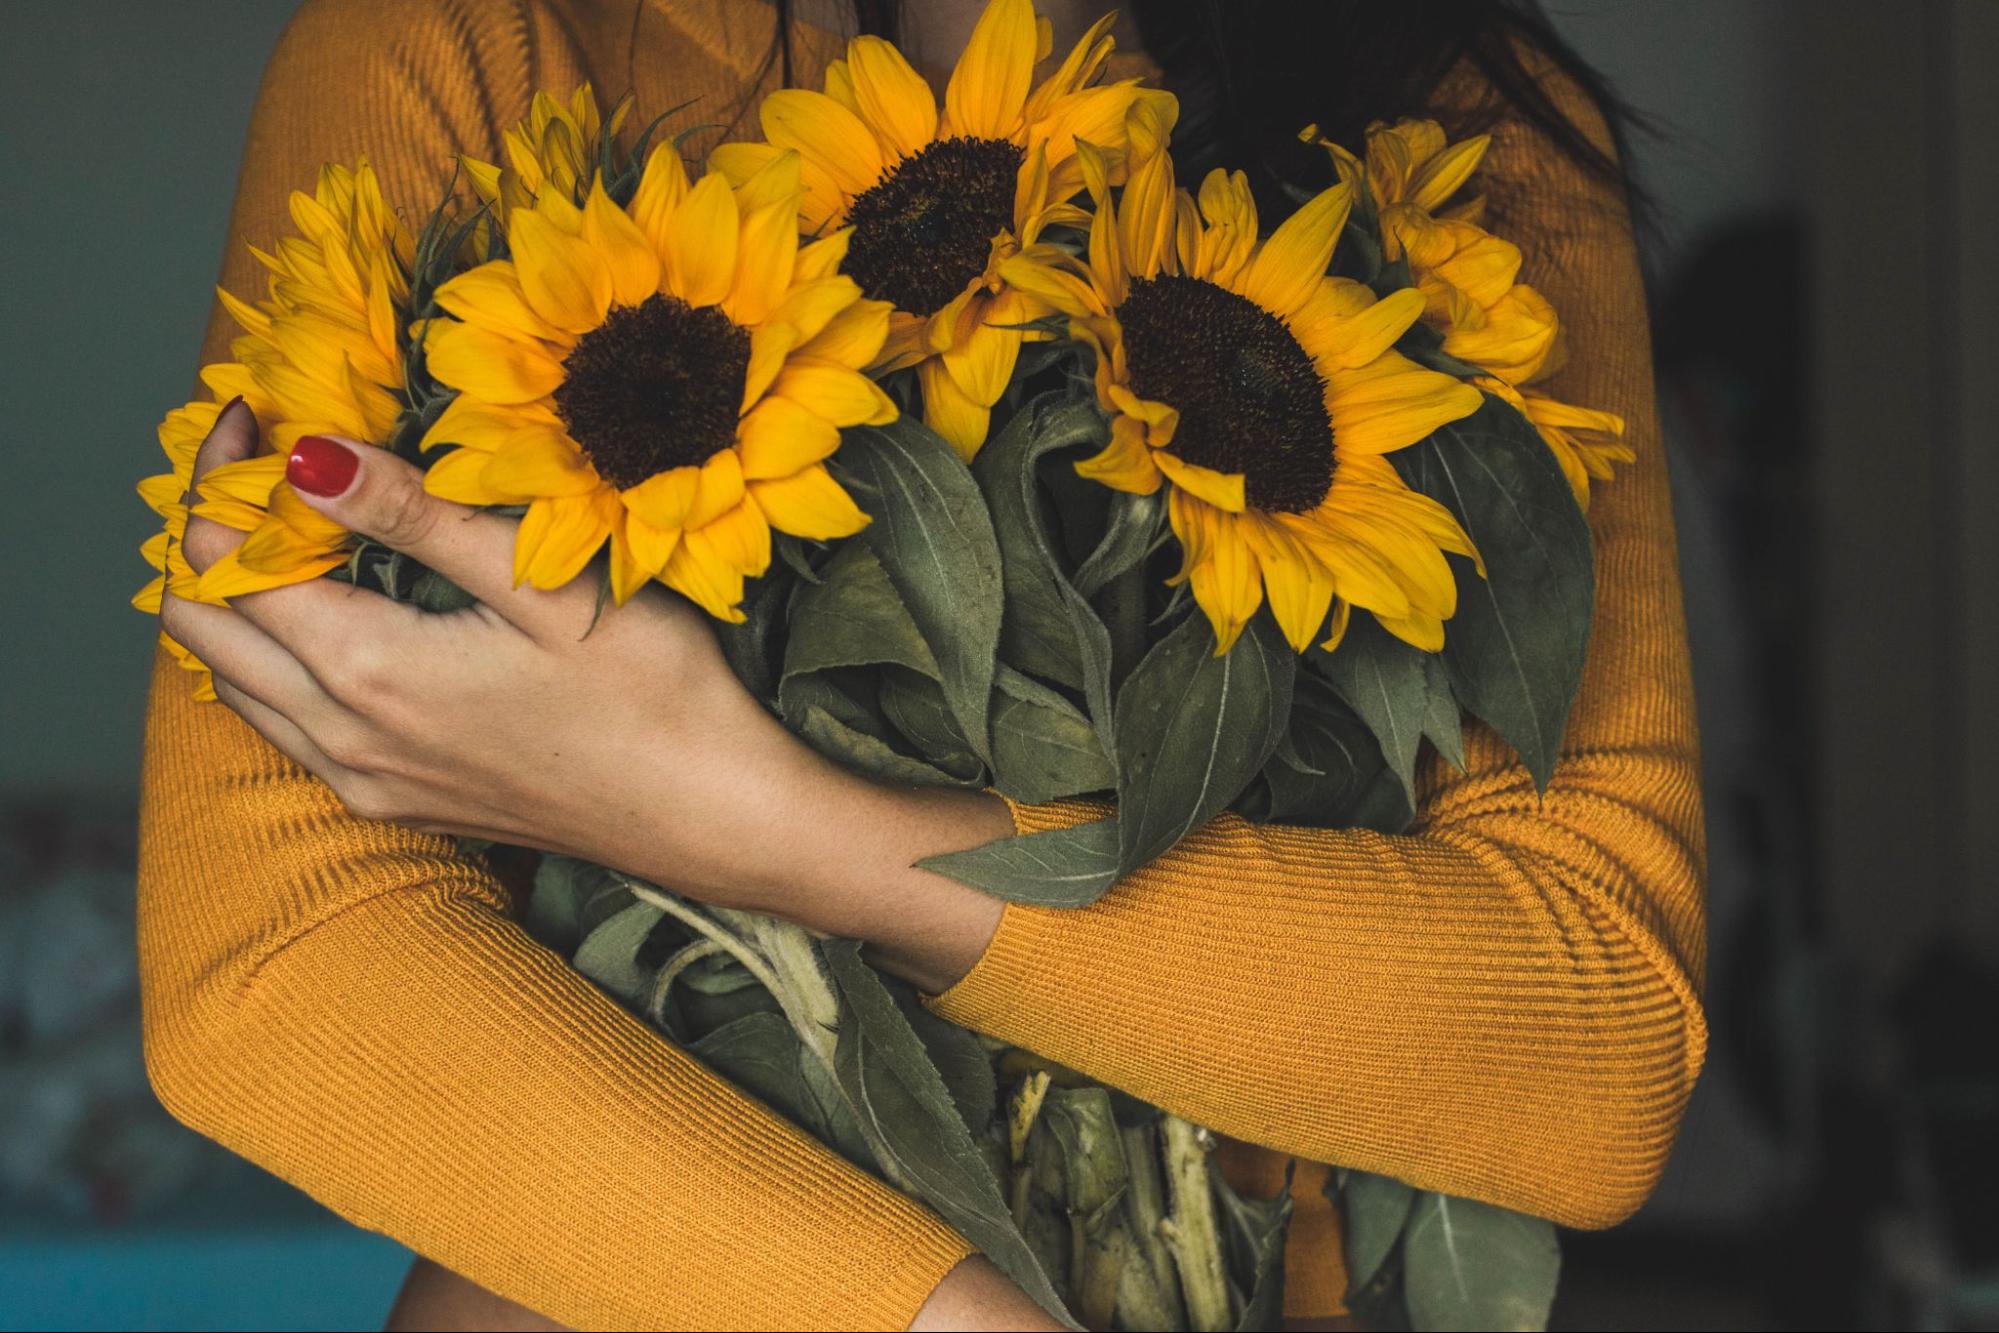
{"points": [[629, 744]]}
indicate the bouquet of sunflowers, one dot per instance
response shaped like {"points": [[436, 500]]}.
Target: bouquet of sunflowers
{"points": [[999, 461]]}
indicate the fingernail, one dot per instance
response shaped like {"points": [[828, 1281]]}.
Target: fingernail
{"points": [[321, 466]]}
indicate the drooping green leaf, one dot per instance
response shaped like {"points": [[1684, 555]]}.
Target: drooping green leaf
{"points": [[1386, 683], [1065, 867], [1255, 1231], [1132, 526], [961, 1059], [760, 1053], [754, 646], [853, 617], [1193, 729], [916, 708], [933, 536], [1469, 1265], [1373, 1210], [1441, 720], [1514, 650], [609, 955], [904, 1107], [866, 754], [1329, 771], [1043, 746], [1040, 597], [571, 898]]}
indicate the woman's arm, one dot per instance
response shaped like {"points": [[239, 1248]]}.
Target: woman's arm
{"points": [[351, 1006]]}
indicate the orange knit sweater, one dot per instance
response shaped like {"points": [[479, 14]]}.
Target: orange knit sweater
{"points": [[1502, 1003]]}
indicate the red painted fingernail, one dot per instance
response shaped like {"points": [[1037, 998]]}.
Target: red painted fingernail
{"points": [[322, 467]]}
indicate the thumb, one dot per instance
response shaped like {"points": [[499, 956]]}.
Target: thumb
{"points": [[371, 491]]}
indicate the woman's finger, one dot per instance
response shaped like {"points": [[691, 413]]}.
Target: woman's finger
{"points": [[373, 492], [279, 730], [239, 651]]}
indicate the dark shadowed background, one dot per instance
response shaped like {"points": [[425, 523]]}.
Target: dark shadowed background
{"points": [[1823, 284]]}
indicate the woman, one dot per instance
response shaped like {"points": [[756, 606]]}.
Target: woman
{"points": [[1501, 1003]]}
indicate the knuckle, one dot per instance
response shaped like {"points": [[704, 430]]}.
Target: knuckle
{"points": [[407, 514], [205, 543]]}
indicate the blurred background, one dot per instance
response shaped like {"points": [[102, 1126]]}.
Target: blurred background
{"points": [[1823, 279]]}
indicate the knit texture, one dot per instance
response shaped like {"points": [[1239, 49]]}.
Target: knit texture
{"points": [[1501, 1004]]}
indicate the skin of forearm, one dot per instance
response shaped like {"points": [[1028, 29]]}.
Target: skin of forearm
{"points": [[837, 854]]}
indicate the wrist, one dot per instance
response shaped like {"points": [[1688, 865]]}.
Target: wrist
{"points": [[851, 870]]}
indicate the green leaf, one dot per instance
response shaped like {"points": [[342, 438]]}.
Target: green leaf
{"points": [[865, 754], [1065, 867], [760, 1053], [1514, 650], [1043, 746], [961, 1058], [1469, 1265], [571, 898], [609, 955], [916, 708], [1385, 682], [853, 617], [1255, 1231], [894, 1088], [1441, 720], [753, 646], [1373, 1210], [933, 536], [1131, 528], [1193, 729], [1040, 598]]}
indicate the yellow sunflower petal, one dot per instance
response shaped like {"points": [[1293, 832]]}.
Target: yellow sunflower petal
{"points": [[558, 536], [829, 137], [739, 534], [1288, 267], [988, 89], [842, 396], [541, 463], [720, 487], [664, 500], [1126, 463], [1424, 632], [459, 477], [950, 412], [564, 279], [1298, 586], [852, 338], [779, 437], [627, 574], [488, 366], [982, 364], [490, 297], [1225, 580], [809, 504], [892, 97], [1440, 177], [1224, 490], [624, 248], [700, 254], [1392, 402], [764, 256], [650, 547], [698, 572], [1343, 325]]}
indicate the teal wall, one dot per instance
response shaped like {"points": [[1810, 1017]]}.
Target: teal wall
{"points": [[123, 125]]}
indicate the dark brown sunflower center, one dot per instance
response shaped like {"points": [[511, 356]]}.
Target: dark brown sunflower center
{"points": [[924, 230], [1249, 398], [654, 387]]}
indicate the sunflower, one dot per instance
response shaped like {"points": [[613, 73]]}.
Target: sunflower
{"points": [[1264, 395], [556, 147], [1471, 289], [320, 355], [669, 378], [939, 198]]}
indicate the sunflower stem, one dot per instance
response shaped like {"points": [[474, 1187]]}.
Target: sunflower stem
{"points": [[1191, 1233]]}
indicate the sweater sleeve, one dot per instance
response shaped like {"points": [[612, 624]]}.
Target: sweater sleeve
{"points": [[1503, 1002], [349, 1004]]}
